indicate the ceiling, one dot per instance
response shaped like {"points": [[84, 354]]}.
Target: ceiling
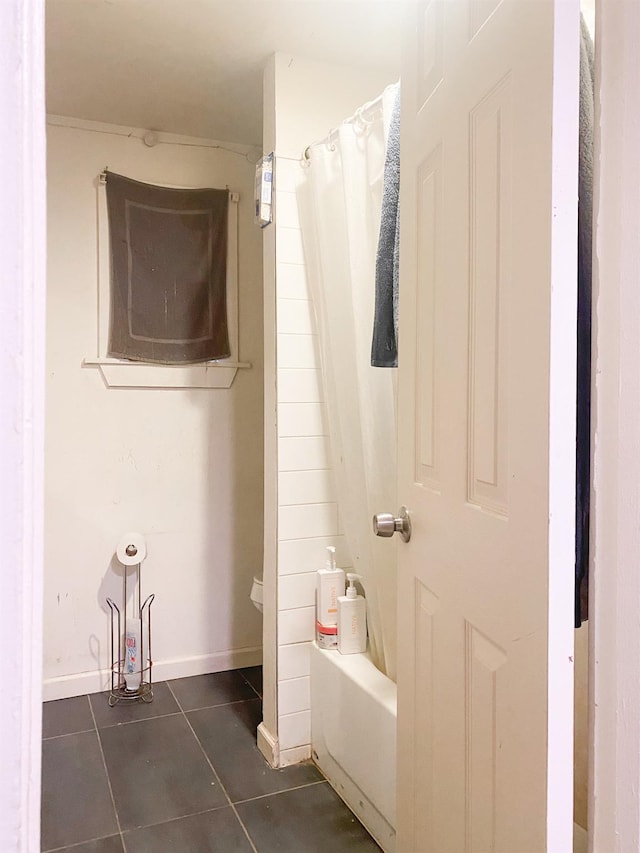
{"points": [[195, 66]]}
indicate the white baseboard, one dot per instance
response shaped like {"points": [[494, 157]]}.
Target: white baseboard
{"points": [[268, 746], [294, 755], [95, 681]]}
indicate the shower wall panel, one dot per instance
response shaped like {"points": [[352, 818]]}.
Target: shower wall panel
{"points": [[307, 99]]}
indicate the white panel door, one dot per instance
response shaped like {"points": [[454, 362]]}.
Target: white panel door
{"points": [[487, 426]]}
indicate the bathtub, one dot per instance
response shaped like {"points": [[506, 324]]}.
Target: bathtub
{"points": [[353, 737]]}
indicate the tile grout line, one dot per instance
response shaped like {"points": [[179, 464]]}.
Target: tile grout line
{"points": [[179, 817], [106, 770], [222, 704], [69, 734], [284, 791], [141, 720], [170, 714], [255, 689], [78, 844], [213, 770]]}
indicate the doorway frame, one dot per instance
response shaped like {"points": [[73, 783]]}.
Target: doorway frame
{"points": [[614, 820], [22, 382]]}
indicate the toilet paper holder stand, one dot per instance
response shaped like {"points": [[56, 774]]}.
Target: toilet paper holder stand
{"points": [[118, 690]]}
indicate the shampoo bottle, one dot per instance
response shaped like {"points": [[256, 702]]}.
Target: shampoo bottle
{"points": [[330, 588], [352, 619]]}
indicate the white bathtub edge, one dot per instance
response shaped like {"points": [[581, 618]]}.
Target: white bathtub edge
{"points": [[359, 763], [366, 813]]}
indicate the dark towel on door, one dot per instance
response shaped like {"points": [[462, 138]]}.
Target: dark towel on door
{"points": [[384, 346], [583, 400], [168, 252]]}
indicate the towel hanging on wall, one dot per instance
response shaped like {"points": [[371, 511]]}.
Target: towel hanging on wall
{"points": [[168, 257]]}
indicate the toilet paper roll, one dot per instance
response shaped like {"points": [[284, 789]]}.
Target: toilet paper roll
{"points": [[132, 549]]}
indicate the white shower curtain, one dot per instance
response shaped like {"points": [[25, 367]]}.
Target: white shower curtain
{"points": [[340, 203]]}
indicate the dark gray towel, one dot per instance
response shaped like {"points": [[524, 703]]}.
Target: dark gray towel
{"points": [[583, 397], [384, 345], [168, 272]]}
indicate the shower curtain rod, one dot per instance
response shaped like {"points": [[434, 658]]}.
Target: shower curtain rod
{"points": [[369, 107]]}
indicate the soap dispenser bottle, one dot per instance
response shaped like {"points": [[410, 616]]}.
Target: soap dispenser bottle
{"points": [[352, 619]]}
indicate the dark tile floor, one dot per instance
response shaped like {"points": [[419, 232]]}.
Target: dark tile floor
{"points": [[182, 774]]}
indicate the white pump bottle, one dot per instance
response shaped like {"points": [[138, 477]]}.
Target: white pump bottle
{"points": [[352, 619]]}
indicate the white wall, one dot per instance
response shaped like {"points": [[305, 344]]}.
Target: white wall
{"points": [[183, 466], [309, 99]]}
